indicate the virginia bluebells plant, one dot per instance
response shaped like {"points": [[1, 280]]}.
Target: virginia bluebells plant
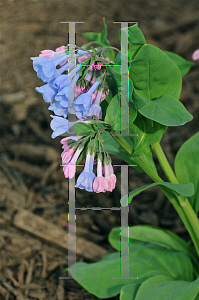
{"points": [[86, 83]]}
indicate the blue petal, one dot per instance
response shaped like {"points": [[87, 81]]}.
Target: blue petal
{"points": [[59, 125]]}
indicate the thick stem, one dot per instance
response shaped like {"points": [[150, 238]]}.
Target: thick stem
{"points": [[184, 213], [183, 202], [164, 162]]}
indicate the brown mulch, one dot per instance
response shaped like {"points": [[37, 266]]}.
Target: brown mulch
{"points": [[34, 191]]}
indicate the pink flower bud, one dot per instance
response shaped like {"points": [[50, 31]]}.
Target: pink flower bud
{"points": [[195, 55]]}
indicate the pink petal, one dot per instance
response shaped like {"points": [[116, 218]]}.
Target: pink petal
{"points": [[100, 185], [63, 141], [60, 48], [47, 53], [82, 58], [110, 184], [195, 55], [69, 171], [67, 156]]}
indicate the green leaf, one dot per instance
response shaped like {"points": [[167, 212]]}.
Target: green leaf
{"points": [[129, 291], [152, 235], [182, 189], [135, 38], [118, 59], [82, 128], [113, 113], [182, 63], [144, 263], [113, 147], [114, 240], [148, 133], [165, 110], [112, 85], [82, 154], [187, 167], [157, 236], [102, 39], [115, 72], [154, 74], [164, 287]]}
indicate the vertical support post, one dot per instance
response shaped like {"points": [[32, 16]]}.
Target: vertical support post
{"points": [[71, 119], [124, 81], [124, 224]]}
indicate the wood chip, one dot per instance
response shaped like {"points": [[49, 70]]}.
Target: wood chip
{"points": [[2, 291], [35, 152], [26, 168], [12, 98], [20, 274], [54, 265], [30, 270], [60, 291], [19, 295], [44, 258], [38, 294], [52, 234], [25, 252], [10, 275]]}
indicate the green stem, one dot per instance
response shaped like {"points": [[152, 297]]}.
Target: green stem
{"points": [[164, 162], [122, 142], [183, 202], [171, 195]]}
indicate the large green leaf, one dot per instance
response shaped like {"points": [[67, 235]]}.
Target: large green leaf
{"points": [[164, 287], [128, 292], [158, 236], [115, 241], [135, 38], [144, 235], [187, 167], [182, 63], [154, 74], [182, 189], [144, 263], [165, 110], [102, 39]]}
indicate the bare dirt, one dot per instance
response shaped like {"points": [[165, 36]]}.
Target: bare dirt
{"points": [[34, 191]]}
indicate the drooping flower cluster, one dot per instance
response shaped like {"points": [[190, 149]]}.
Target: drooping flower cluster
{"points": [[59, 87], [60, 90], [87, 179]]}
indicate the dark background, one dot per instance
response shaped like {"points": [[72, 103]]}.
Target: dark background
{"points": [[34, 191]]}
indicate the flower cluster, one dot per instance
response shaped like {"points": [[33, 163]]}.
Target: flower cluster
{"points": [[64, 81], [59, 87], [87, 179]]}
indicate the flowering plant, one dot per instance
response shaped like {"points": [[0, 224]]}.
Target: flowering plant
{"points": [[165, 266]]}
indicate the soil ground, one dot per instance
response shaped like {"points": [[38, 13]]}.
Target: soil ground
{"points": [[34, 191]]}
